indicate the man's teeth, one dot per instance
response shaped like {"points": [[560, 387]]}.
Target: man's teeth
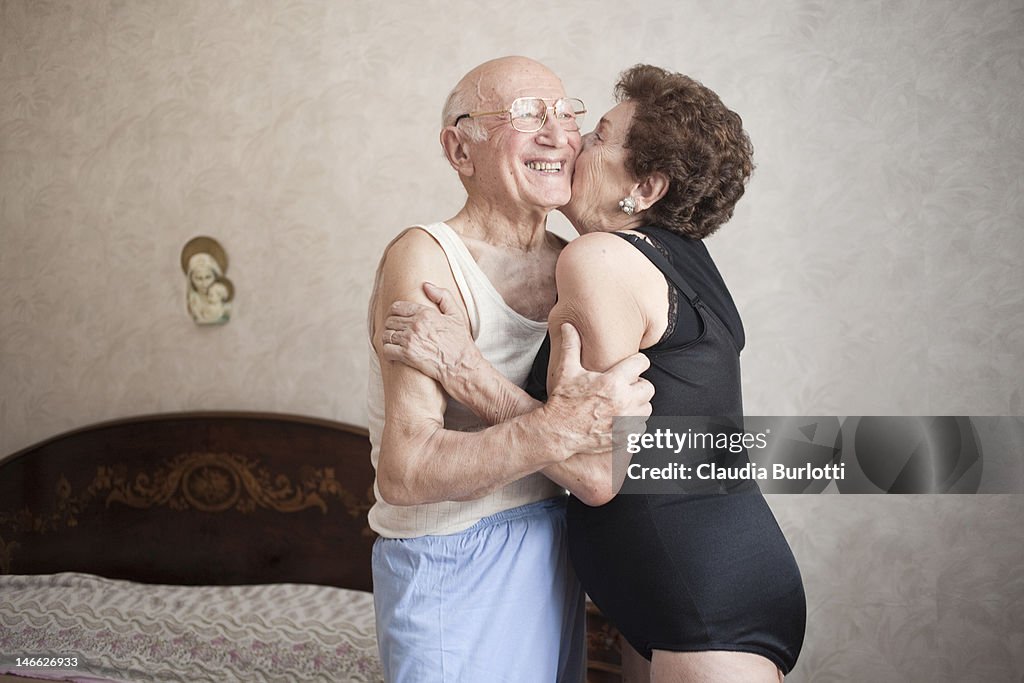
{"points": [[548, 166]]}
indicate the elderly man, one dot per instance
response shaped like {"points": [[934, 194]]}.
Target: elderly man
{"points": [[471, 573]]}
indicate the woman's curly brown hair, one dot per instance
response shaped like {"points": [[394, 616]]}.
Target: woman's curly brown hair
{"points": [[683, 130]]}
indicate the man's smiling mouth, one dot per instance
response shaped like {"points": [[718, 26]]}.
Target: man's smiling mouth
{"points": [[545, 166]]}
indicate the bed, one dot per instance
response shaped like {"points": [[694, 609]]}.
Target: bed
{"points": [[197, 546], [208, 546]]}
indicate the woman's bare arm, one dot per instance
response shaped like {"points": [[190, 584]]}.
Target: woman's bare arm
{"points": [[618, 301]]}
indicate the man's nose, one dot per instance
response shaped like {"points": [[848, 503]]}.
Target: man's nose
{"points": [[552, 131]]}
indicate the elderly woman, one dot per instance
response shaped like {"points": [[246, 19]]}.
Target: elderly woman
{"points": [[702, 585]]}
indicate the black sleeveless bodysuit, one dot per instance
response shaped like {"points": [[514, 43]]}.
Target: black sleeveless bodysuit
{"points": [[690, 572]]}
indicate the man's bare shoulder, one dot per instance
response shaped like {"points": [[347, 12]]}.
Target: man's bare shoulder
{"points": [[412, 258], [412, 247]]}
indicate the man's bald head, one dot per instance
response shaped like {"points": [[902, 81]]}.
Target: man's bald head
{"points": [[489, 87]]}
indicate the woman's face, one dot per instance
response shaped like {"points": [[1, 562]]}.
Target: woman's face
{"points": [[601, 180], [202, 278]]}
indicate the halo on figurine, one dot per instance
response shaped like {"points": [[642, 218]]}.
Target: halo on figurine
{"points": [[208, 292], [204, 245]]}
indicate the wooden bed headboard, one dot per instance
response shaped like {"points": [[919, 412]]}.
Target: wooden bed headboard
{"points": [[193, 499]]}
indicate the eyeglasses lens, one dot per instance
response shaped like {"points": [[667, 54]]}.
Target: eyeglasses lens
{"points": [[528, 113]]}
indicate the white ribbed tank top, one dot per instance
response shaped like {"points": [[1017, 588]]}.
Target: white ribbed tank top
{"points": [[509, 341]]}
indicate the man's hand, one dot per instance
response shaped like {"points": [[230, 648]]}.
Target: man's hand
{"points": [[583, 403], [435, 341]]}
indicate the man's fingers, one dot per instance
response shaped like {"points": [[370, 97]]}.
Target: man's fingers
{"points": [[571, 349], [442, 297], [645, 388], [391, 350], [397, 323], [391, 338], [631, 366], [570, 336], [406, 309], [645, 392]]}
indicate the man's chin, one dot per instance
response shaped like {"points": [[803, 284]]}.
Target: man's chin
{"points": [[556, 203]]}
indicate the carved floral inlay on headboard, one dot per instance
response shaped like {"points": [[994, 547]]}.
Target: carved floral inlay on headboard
{"points": [[207, 482], [215, 482]]}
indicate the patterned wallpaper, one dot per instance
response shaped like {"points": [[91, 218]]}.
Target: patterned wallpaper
{"points": [[876, 257]]}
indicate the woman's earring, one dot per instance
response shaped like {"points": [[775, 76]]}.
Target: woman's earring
{"points": [[628, 206]]}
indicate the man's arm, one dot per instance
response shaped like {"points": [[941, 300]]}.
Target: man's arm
{"points": [[421, 462], [437, 342]]}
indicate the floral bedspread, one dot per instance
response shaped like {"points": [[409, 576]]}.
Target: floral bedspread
{"points": [[123, 631]]}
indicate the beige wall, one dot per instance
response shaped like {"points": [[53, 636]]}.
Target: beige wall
{"points": [[876, 258]]}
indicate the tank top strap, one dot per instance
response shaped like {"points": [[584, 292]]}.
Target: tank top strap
{"points": [[659, 260], [463, 267]]}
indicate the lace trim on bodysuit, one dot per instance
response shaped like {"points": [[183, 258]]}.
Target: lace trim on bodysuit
{"points": [[673, 295]]}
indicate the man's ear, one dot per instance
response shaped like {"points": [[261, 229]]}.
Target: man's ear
{"points": [[650, 190], [456, 150]]}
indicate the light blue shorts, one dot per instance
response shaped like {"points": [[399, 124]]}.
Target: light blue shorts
{"points": [[497, 602]]}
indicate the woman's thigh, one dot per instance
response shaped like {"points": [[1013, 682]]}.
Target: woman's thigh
{"points": [[635, 669], [712, 666]]}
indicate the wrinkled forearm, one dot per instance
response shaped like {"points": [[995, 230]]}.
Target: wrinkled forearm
{"points": [[489, 394], [496, 399], [430, 464]]}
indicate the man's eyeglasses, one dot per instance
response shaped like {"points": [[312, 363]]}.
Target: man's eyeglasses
{"points": [[528, 114]]}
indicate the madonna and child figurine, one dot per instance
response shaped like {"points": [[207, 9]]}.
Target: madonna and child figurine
{"points": [[209, 292]]}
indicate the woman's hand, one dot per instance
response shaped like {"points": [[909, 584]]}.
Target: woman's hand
{"points": [[435, 341]]}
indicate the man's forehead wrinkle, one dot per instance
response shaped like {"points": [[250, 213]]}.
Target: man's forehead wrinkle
{"points": [[472, 83], [492, 85], [479, 89]]}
